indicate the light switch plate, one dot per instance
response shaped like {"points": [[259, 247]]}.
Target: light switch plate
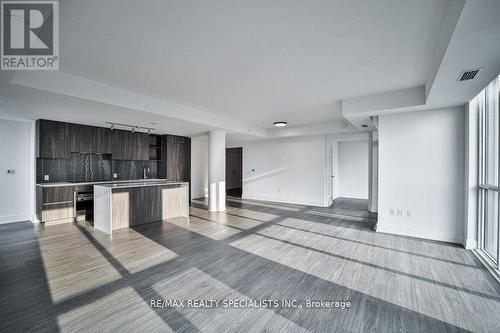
{"points": [[46, 178], [115, 175]]}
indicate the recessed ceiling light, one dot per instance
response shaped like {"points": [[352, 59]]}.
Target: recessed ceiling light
{"points": [[280, 124]]}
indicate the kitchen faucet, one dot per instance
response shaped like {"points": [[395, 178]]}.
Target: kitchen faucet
{"points": [[146, 172]]}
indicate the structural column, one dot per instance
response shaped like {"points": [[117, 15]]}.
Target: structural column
{"points": [[217, 171], [373, 172]]}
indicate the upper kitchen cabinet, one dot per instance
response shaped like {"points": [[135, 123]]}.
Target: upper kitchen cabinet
{"points": [[121, 148], [130, 145], [90, 139], [53, 139], [102, 142], [178, 157], [140, 146], [82, 138], [58, 140]]}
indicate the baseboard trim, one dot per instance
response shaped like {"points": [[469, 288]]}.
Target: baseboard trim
{"points": [[437, 235], [470, 244], [349, 196], [270, 199], [15, 218]]}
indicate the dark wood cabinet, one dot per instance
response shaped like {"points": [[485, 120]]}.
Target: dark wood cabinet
{"points": [[90, 139], [53, 130], [102, 140], [130, 146], [82, 139], [53, 139], [58, 140], [140, 146], [176, 158], [57, 194], [122, 145]]}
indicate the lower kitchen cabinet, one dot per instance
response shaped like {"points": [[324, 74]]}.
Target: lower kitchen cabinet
{"points": [[56, 212], [55, 203]]}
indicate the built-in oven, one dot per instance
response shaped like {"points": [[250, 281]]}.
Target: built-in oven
{"points": [[84, 203]]}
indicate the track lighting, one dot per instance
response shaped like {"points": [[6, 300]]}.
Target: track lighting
{"points": [[133, 128]]}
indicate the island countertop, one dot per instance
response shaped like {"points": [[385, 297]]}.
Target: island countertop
{"points": [[101, 182], [139, 184]]}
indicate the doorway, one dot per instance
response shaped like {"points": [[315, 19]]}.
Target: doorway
{"points": [[234, 172], [348, 173]]}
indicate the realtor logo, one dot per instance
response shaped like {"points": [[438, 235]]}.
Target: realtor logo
{"points": [[30, 35]]}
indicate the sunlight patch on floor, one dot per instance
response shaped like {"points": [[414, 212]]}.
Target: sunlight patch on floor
{"points": [[241, 222], [134, 251], [196, 284], [372, 281], [205, 228], [357, 252], [72, 270], [106, 315]]}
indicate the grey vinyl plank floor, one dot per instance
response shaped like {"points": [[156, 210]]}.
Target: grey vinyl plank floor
{"points": [[72, 278]]}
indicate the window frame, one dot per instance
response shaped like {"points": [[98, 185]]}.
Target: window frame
{"points": [[484, 187]]}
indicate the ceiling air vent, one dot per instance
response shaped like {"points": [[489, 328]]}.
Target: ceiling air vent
{"points": [[468, 74]]}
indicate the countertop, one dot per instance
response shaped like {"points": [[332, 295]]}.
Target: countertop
{"points": [[59, 184], [141, 184]]}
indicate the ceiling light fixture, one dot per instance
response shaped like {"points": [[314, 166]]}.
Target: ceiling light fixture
{"points": [[280, 124], [112, 127], [133, 129], [149, 131]]}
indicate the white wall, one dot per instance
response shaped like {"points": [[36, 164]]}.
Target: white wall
{"points": [[353, 169], [286, 170], [17, 153], [421, 170], [199, 167]]}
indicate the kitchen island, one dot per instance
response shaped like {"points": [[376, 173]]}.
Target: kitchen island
{"points": [[118, 206]]}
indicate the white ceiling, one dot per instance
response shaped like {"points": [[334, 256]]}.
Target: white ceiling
{"points": [[241, 65], [255, 61]]}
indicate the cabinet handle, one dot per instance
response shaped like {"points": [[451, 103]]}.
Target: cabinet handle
{"points": [[56, 203]]}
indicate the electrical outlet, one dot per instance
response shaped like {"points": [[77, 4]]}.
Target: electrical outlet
{"points": [[11, 172], [46, 178], [400, 212], [115, 175]]}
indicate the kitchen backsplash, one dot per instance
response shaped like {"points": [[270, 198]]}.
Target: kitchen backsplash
{"points": [[91, 167]]}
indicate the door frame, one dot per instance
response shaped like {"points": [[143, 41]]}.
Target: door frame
{"points": [[336, 139]]}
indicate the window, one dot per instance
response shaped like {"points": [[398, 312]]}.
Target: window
{"points": [[489, 221]]}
